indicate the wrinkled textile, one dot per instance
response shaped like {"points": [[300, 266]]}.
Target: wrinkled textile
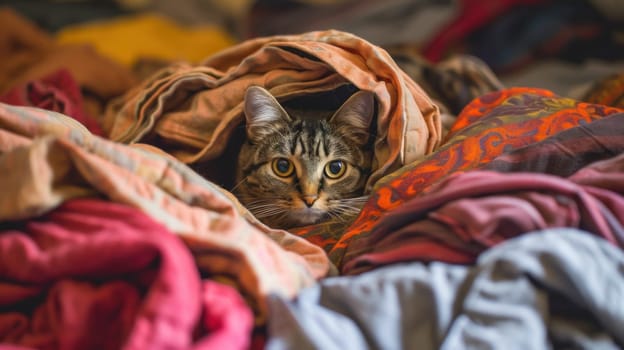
{"points": [[472, 16], [226, 319], [28, 53], [192, 111], [472, 211], [47, 158], [78, 277], [569, 31], [489, 126], [568, 151], [552, 289], [56, 92]]}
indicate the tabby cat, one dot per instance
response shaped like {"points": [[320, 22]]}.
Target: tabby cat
{"points": [[300, 167]]}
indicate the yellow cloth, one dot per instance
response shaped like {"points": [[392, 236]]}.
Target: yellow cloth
{"points": [[127, 39]]}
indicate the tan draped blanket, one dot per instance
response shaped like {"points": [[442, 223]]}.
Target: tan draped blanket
{"points": [[192, 111]]}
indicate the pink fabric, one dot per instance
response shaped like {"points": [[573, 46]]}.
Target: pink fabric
{"points": [[48, 158], [57, 92], [226, 318], [81, 278]]}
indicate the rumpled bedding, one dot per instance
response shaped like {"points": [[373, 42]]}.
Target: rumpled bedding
{"points": [[490, 126], [556, 288], [469, 212], [48, 158], [505, 227], [29, 54], [73, 279]]}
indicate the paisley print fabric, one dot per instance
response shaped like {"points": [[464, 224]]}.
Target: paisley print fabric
{"points": [[489, 126]]}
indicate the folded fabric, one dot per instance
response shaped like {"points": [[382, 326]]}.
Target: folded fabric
{"points": [[30, 54], [48, 158], [550, 289], [491, 125], [192, 111], [78, 277], [56, 92], [469, 212], [567, 152]]}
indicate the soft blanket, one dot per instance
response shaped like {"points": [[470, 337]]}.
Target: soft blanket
{"points": [[78, 277], [191, 111], [550, 289], [47, 158]]}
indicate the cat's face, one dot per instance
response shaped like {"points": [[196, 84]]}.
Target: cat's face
{"points": [[298, 170]]}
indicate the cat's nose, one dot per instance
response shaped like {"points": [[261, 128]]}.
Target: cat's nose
{"points": [[309, 200]]}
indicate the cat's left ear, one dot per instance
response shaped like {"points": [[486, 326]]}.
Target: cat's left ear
{"points": [[262, 112], [354, 117]]}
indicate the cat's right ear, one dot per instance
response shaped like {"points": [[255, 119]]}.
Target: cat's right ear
{"points": [[263, 113]]}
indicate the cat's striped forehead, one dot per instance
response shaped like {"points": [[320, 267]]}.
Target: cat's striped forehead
{"points": [[310, 139]]}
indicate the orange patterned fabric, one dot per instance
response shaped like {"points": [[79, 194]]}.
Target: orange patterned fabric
{"points": [[489, 126]]}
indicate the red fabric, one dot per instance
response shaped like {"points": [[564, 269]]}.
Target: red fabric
{"points": [[473, 15], [57, 92], [98, 275], [226, 318]]}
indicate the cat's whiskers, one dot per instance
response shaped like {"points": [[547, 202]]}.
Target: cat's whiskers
{"points": [[311, 138], [263, 208], [347, 206], [239, 183]]}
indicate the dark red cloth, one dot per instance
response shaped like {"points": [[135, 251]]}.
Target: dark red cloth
{"points": [[57, 92], [98, 275], [473, 14]]}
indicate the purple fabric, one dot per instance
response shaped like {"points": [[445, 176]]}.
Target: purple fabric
{"points": [[476, 210], [568, 151]]}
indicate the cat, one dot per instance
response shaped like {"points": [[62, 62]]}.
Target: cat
{"points": [[300, 167]]}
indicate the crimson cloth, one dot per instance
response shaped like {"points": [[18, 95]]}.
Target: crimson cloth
{"points": [[58, 92], [93, 274]]}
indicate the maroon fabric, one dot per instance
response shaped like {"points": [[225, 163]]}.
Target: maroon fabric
{"points": [[57, 92], [568, 151], [98, 275], [473, 15], [470, 212]]}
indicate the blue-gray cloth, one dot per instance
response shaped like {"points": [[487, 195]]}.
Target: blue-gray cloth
{"points": [[558, 288]]}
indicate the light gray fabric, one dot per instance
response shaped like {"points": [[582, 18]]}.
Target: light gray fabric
{"points": [[551, 289]]}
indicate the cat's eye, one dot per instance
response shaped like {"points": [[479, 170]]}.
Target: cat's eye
{"points": [[335, 169], [282, 167]]}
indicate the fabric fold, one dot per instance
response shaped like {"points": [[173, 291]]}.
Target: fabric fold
{"points": [[78, 277], [192, 111], [64, 161]]}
